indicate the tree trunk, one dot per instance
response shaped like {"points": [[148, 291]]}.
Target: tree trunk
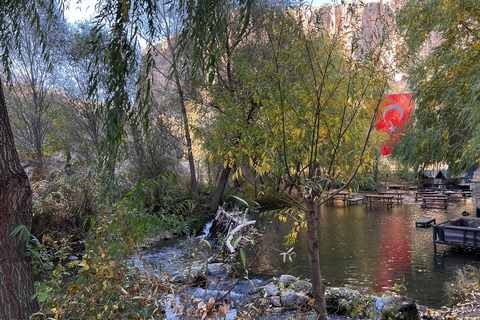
{"points": [[188, 139], [315, 272], [222, 183], [16, 278]]}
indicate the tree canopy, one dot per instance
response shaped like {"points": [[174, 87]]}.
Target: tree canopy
{"points": [[442, 46]]}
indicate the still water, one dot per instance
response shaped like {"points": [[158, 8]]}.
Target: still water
{"points": [[371, 249]]}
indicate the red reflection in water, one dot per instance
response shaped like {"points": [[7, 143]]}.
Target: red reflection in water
{"points": [[395, 258]]}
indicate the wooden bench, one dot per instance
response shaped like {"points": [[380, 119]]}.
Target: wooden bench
{"points": [[353, 200], [425, 222], [370, 199]]}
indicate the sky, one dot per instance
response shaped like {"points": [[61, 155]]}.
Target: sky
{"points": [[82, 11], [85, 9]]}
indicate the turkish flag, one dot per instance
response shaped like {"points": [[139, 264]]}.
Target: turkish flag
{"points": [[395, 112]]}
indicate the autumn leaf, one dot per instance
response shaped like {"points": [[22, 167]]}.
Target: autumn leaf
{"points": [[223, 310]]}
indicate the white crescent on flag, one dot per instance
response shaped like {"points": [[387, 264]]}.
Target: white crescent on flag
{"points": [[393, 107]]}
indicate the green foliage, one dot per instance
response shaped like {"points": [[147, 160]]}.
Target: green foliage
{"points": [[442, 41], [102, 285], [205, 24], [302, 107], [158, 196]]}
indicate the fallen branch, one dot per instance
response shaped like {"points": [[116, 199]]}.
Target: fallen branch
{"points": [[232, 221], [238, 228]]}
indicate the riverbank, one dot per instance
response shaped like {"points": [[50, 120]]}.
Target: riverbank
{"points": [[468, 309]]}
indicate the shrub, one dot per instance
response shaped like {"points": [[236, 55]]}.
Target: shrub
{"points": [[61, 206], [464, 281]]}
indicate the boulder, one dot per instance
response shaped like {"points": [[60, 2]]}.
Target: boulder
{"points": [[301, 299], [289, 299], [302, 286], [219, 270], [396, 308], [337, 300], [195, 276], [276, 302], [287, 280], [269, 290]]}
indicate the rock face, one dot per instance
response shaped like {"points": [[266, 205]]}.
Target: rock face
{"points": [[397, 308]]}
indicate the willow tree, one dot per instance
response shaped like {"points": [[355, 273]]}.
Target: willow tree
{"points": [[215, 30], [442, 43], [319, 90]]}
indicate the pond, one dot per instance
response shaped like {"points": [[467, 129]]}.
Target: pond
{"points": [[371, 249], [361, 248]]}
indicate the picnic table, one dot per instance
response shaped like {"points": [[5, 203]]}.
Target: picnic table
{"points": [[434, 201], [397, 195], [398, 187], [370, 199], [458, 194], [420, 195], [342, 195], [353, 200]]}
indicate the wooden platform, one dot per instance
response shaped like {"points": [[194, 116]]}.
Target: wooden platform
{"points": [[425, 222]]}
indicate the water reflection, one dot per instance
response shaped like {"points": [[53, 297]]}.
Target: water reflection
{"points": [[371, 249]]}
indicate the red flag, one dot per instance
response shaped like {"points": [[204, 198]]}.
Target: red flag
{"points": [[395, 112]]}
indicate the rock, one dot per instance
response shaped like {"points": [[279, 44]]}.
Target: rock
{"points": [[302, 285], [396, 308], [276, 302], [301, 300], [219, 270], [194, 277], [269, 290], [287, 280], [289, 299], [337, 300]]}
